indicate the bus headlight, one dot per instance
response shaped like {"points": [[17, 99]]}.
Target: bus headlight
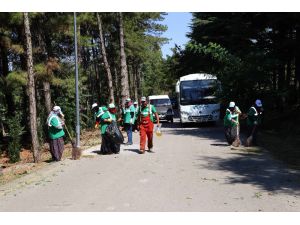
{"points": [[184, 114], [215, 111]]}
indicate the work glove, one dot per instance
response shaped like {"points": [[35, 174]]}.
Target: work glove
{"points": [[131, 121], [96, 125], [109, 120]]}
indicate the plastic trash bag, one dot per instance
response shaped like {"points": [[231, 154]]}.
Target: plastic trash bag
{"points": [[114, 133], [157, 130]]}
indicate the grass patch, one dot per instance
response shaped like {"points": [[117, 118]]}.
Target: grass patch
{"points": [[280, 135], [284, 148]]}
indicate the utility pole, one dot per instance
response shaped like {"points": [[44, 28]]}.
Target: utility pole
{"points": [[76, 86]]}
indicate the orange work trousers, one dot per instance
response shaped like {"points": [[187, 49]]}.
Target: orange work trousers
{"points": [[146, 131]]}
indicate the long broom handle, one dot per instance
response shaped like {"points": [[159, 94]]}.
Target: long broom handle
{"points": [[68, 132]]}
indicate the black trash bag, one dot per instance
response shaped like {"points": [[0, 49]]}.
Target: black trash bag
{"points": [[230, 134], [233, 133], [114, 133]]}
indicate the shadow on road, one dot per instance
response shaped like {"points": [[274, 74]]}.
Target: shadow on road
{"points": [[202, 130], [256, 169], [214, 132], [132, 150], [249, 167]]}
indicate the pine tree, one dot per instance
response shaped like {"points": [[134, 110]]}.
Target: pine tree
{"points": [[31, 90]]}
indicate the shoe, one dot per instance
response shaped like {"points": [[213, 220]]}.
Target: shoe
{"points": [[142, 151], [127, 143], [150, 150]]}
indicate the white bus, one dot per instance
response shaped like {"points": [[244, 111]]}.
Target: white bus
{"points": [[197, 100]]}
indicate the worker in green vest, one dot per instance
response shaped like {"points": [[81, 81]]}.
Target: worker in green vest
{"points": [[56, 133], [254, 120], [231, 123], [128, 119], [145, 122], [98, 112], [114, 147]]}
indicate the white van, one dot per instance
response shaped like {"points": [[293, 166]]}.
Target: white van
{"points": [[163, 106]]}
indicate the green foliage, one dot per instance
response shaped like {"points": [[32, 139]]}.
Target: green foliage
{"points": [[252, 54], [16, 78], [52, 37], [41, 71], [15, 133]]}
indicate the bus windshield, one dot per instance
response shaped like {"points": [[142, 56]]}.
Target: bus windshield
{"points": [[160, 102], [194, 92]]}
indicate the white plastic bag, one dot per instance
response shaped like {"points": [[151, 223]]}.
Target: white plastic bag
{"points": [[157, 130]]}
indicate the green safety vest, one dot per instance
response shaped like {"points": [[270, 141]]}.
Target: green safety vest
{"points": [[229, 116], [149, 109], [55, 128], [127, 114], [253, 117]]}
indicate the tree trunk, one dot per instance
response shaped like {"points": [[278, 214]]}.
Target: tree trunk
{"points": [[79, 55], [96, 87], [135, 75], [281, 73], [45, 43], [117, 83], [4, 71], [140, 82], [31, 91], [47, 95], [124, 71], [106, 64]]}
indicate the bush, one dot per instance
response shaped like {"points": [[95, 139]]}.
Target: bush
{"points": [[15, 133]]}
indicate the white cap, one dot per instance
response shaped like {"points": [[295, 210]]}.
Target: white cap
{"points": [[258, 103], [231, 104], [143, 99], [94, 105], [128, 100], [135, 103], [56, 108], [111, 106]]}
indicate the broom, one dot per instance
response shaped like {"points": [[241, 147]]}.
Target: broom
{"points": [[237, 141], [250, 138], [76, 151]]}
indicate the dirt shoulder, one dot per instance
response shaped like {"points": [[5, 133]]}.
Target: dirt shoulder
{"points": [[11, 171]]}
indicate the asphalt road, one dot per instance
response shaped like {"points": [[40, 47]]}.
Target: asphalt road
{"points": [[192, 169]]}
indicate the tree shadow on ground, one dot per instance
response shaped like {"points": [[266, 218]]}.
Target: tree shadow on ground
{"points": [[256, 169], [253, 167], [205, 130]]}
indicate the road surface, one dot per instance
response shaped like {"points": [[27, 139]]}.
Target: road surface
{"points": [[192, 169]]}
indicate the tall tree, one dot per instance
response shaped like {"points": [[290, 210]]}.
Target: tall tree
{"points": [[124, 71], [31, 90], [104, 56]]}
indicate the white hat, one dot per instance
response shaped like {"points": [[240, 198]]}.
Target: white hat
{"points": [[135, 103], [143, 99], [258, 103], [94, 105], [56, 108], [128, 100], [231, 104], [111, 106]]}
